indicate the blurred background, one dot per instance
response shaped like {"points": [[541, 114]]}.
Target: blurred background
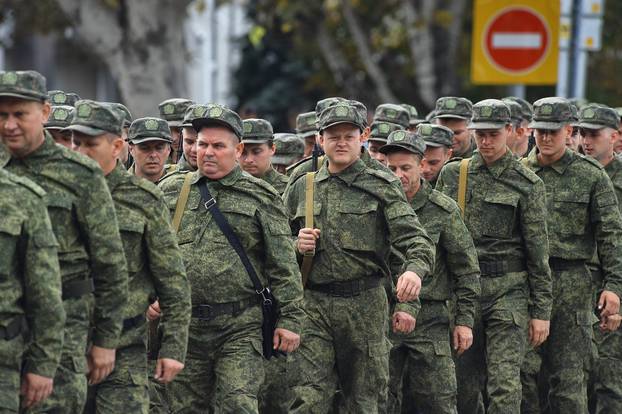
{"points": [[270, 58]]}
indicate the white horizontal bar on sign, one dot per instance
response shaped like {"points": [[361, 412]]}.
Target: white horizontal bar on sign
{"points": [[513, 40]]}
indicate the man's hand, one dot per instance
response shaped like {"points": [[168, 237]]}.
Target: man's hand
{"points": [[462, 338], [285, 341], [35, 389], [408, 286], [306, 240], [538, 331], [167, 369], [153, 311], [609, 304], [403, 323], [610, 323], [101, 363]]}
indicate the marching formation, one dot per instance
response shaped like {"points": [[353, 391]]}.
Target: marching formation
{"points": [[464, 262]]}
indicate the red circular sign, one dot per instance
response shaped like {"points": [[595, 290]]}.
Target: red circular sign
{"points": [[516, 40]]}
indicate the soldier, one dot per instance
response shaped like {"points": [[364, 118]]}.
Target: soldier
{"points": [[438, 150], [306, 128], [289, 150], [523, 141], [224, 362], [394, 114], [617, 146], [90, 251], [380, 131], [257, 152], [599, 133], [582, 217], [150, 145], [414, 119], [31, 293], [503, 205], [455, 113], [124, 157], [425, 355], [173, 111], [57, 98], [188, 160], [59, 119], [518, 133], [359, 212]]}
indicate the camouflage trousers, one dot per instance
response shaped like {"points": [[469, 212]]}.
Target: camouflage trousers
{"points": [[533, 380], [11, 352], [274, 394], [70, 386], [423, 360], [224, 366], [159, 400], [488, 373], [344, 345]]}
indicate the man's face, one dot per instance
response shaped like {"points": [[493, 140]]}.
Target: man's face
{"points": [[255, 158], [512, 137], [149, 158], [217, 151], [102, 148], [492, 143], [21, 125], [552, 142], [342, 144], [374, 151], [462, 136], [309, 143], [189, 136], [61, 138], [433, 160], [598, 143], [125, 149], [406, 166], [572, 140], [617, 146], [282, 168], [176, 136]]}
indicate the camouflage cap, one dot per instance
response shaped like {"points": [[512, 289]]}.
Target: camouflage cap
{"points": [[516, 111], [551, 113], [414, 115], [95, 118], [340, 113], [395, 114], [596, 116], [490, 114], [60, 117], [306, 124], [362, 111], [326, 102], [257, 131], [149, 129], [214, 114], [124, 112], [526, 107], [453, 107], [404, 140], [23, 84], [575, 115], [436, 135], [381, 130], [173, 110], [191, 114], [289, 148], [578, 102], [58, 97]]}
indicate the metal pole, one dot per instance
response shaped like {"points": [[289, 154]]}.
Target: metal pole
{"points": [[518, 90], [574, 49]]}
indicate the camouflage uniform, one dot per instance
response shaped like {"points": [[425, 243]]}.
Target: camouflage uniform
{"points": [[424, 356], [57, 98], [306, 125], [173, 111], [361, 212], [435, 136], [450, 107], [90, 251], [394, 114], [60, 117], [582, 216], [150, 129], [30, 282], [414, 119], [224, 365], [505, 214]]}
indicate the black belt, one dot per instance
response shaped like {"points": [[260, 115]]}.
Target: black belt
{"points": [[501, 267], [13, 329], [77, 288], [210, 311], [134, 322], [556, 263], [347, 289]]}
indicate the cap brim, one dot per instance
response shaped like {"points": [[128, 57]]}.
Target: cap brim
{"points": [[87, 130], [545, 125], [283, 159], [256, 140], [385, 149], [487, 125], [451, 116], [147, 139], [307, 134], [175, 123], [434, 144], [588, 125], [54, 127], [342, 122], [377, 139], [199, 123], [415, 122], [22, 96]]}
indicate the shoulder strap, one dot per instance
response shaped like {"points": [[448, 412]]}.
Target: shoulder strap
{"points": [[462, 184], [307, 259], [525, 161], [181, 202], [232, 238]]}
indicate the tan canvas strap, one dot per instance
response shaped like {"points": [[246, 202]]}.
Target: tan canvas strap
{"points": [[307, 259], [462, 184], [181, 202]]}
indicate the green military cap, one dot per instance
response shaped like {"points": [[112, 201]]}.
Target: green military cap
{"points": [[414, 115], [289, 148], [60, 117], [552, 113], [575, 115], [95, 118], [173, 110], [23, 84], [430, 116], [380, 130], [325, 103], [124, 112], [149, 129], [214, 114], [526, 107], [340, 113], [191, 114], [516, 112], [361, 109], [596, 116], [436, 135], [63, 98], [257, 131], [619, 111], [306, 124], [404, 140], [395, 114], [453, 107], [578, 102], [490, 114]]}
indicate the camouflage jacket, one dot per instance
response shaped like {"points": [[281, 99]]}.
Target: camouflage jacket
{"points": [[154, 261], [276, 180], [255, 212], [506, 216], [85, 225], [29, 272]]}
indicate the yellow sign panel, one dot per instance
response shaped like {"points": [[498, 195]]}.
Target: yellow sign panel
{"points": [[515, 42]]}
